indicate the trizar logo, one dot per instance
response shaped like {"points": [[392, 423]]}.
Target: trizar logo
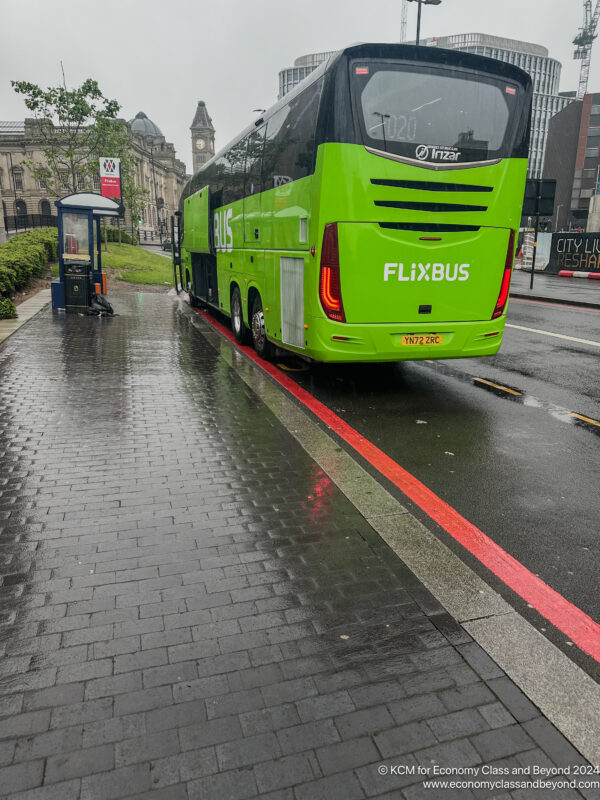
{"points": [[422, 152], [109, 165]]}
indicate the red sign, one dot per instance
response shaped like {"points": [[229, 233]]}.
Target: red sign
{"points": [[110, 177]]}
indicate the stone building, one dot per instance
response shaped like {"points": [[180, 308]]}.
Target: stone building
{"points": [[158, 170], [203, 137], [27, 201]]}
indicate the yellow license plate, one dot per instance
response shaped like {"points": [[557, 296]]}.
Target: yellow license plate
{"points": [[425, 339]]}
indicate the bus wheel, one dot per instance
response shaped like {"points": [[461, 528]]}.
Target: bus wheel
{"points": [[240, 331], [262, 345]]}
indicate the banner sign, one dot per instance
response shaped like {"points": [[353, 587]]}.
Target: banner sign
{"points": [[575, 251], [110, 177]]}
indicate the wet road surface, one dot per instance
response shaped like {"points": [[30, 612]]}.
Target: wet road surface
{"points": [[190, 609]]}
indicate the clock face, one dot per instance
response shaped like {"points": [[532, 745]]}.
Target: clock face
{"points": [[200, 144]]}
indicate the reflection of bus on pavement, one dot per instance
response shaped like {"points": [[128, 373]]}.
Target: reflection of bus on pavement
{"points": [[371, 213]]}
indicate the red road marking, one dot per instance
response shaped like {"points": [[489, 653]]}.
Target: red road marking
{"points": [[553, 305], [572, 621]]}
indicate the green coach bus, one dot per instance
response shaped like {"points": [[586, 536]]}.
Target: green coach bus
{"points": [[370, 214]]}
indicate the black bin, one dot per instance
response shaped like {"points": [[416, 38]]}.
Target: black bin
{"points": [[78, 286]]}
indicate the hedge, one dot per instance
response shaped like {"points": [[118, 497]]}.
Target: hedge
{"points": [[112, 234], [7, 308], [25, 255]]}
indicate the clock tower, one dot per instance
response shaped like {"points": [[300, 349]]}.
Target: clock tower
{"points": [[203, 137]]}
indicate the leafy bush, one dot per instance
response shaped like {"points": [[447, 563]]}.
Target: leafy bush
{"points": [[7, 308], [112, 234], [25, 255]]}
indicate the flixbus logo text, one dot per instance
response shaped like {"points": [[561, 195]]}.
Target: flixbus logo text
{"points": [[425, 272]]}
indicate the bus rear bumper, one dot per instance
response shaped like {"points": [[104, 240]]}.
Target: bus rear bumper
{"points": [[339, 342]]}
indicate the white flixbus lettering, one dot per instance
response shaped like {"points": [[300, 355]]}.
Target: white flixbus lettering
{"points": [[437, 271], [389, 269]]}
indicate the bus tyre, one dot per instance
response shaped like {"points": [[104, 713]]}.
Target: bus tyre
{"points": [[240, 331], [262, 345]]}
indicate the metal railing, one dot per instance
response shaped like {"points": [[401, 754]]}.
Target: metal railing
{"points": [[17, 223]]}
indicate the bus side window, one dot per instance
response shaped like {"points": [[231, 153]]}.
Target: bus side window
{"points": [[290, 145], [230, 172], [254, 157]]}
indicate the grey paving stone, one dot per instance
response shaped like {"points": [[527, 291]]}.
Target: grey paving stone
{"points": [[347, 755], [286, 771], [251, 750], [308, 736], [457, 724], [404, 739], [19, 777], [502, 742], [79, 764], [369, 721]]}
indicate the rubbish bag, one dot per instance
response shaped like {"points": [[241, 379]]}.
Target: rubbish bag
{"points": [[100, 307]]}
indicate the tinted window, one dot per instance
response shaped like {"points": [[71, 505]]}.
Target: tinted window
{"points": [[431, 114], [254, 155], [290, 142], [229, 173]]}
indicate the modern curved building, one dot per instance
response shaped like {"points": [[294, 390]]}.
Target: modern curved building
{"points": [[303, 66], [533, 58]]}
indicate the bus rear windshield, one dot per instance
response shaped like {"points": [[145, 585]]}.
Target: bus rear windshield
{"points": [[430, 113]]}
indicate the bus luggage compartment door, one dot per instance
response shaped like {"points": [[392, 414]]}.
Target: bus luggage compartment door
{"points": [[391, 275]]}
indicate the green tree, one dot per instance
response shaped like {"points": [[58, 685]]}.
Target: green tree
{"points": [[69, 127], [73, 129]]}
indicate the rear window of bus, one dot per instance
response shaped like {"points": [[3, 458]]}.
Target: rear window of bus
{"points": [[421, 112]]}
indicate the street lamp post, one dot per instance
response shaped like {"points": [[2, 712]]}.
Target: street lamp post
{"points": [[558, 208], [426, 3]]}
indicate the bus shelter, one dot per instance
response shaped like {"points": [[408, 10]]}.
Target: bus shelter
{"points": [[80, 249]]}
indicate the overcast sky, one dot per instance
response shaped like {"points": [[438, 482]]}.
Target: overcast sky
{"points": [[162, 57]]}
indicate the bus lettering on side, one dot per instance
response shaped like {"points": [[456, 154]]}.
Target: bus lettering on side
{"points": [[223, 232]]}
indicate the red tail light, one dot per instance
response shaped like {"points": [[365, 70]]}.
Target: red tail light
{"points": [[330, 289], [503, 296]]}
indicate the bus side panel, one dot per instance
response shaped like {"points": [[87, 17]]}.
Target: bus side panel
{"points": [[197, 223], [285, 215]]}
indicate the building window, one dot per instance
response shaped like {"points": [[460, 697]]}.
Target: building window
{"points": [[64, 178], [21, 208], [43, 184], [97, 183], [80, 181], [18, 179], [45, 209], [591, 152]]}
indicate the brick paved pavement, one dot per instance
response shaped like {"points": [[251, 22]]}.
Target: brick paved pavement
{"points": [[191, 609]]}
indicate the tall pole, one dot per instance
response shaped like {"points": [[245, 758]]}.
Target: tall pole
{"points": [[403, 20], [418, 21]]}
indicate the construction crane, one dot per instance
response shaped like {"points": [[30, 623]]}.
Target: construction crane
{"points": [[583, 44], [403, 20]]}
